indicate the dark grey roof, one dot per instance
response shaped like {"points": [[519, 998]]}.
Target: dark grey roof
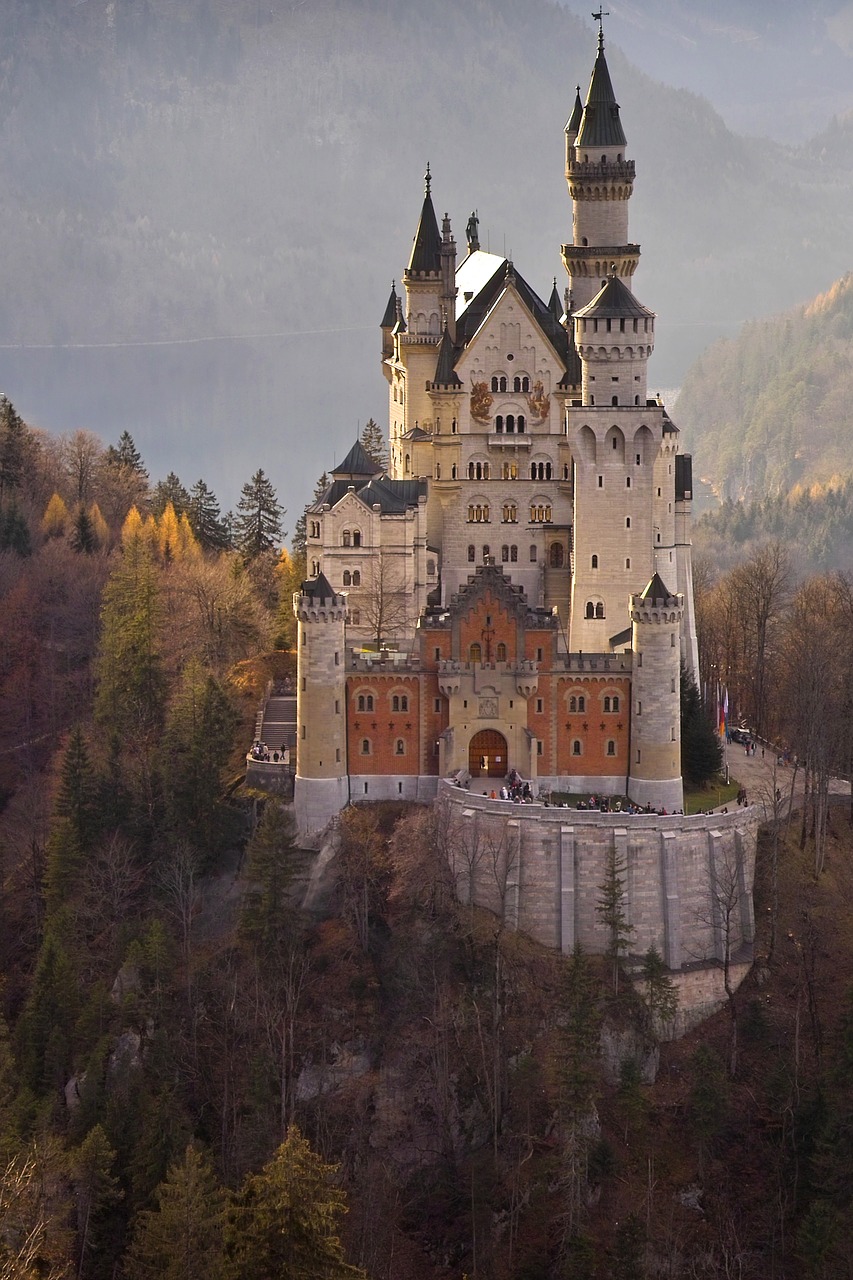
{"points": [[393, 497], [472, 317], [389, 319], [426, 248], [574, 122], [555, 304], [614, 299], [358, 462], [445, 373], [416, 433], [656, 590], [620, 639], [600, 126], [318, 588]]}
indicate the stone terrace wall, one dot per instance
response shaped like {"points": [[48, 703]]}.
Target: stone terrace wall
{"points": [[688, 880]]}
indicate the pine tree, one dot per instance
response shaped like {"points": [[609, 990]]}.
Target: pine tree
{"points": [[14, 447], [171, 490], [183, 1236], [197, 742], [284, 1221], [373, 443], [612, 911], [257, 526], [15, 531], [206, 519], [267, 914], [96, 1190], [701, 749], [126, 454], [579, 1039], [131, 685], [661, 992], [75, 824], [83, 535]]}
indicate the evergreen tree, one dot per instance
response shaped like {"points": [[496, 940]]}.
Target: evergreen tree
{"points": [[126, 454], [75, 824], [197, 741], [267, 913], [284, 1221], [374, 444], [579, 1039], [257, 526], [661, 991], [206, 519], [96, 1190], [701, 749], [14, 531], [83, 534], [182, 1237], [14, 447], [611, 910], [131, 685], [171, 490]]}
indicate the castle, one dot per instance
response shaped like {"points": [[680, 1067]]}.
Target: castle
{"points": [[515, 590]]}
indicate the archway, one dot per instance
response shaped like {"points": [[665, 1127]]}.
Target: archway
{"points": [[487, 755]]}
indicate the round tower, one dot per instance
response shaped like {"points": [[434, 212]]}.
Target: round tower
{"points": [[655, 767], [600, 182], [321, 786]]}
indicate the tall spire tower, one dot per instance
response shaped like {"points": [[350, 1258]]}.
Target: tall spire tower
{"points": [[600, 182]]}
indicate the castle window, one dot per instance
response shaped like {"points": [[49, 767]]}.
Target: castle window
{"points": [[438, 471], [487, 553], [672, 641], [606, 704], [502, 384], [474, 653], [430, 568], [614, 400], [453, 426], [538, 746], [639, 708], [303, 733], [513, 554], [594, 562], [611, 747], [510, 423], [347, 538], [400, 702], [599, 610], [399, 747], [337, 755], [533, 553], [638, 459], [454, 472], [365, 746], [356, 538], [436, 706], [601, 482], [576, 747], [472, 552], [627, 522], [525, 383], [347, 578], [494, 384], [627, 482], [556, 555], [365, 702], [516, 384], [471, 471], [589, 612], [355, 617], [565, 470], [501, 653], [356, 578], [504, 555], [499, 424], [521, 424], [539, 706]]}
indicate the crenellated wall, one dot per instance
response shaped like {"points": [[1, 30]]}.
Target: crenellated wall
{"points": [[688, 880]]}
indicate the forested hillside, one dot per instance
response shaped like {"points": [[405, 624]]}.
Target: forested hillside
{"points": [[767, 415], [200, 1077], [203, 206]]}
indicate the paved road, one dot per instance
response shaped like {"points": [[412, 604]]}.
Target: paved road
{"points": [[761, 776]]}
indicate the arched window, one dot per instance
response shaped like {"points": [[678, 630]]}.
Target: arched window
{"points": [[472, 551], [576, 747], [399, 747], [356, 537], [628, 562], [599, 610], [438, 471], [356, 578], [470, 471], [347, 578], [510, 423], [525, 383], [499, 424], [495, 383], [501, 652], [590, 609], [556, 555], [505, 555], [606, 704], [365, 746], [595, 562], [502, 384], [486, 471], [582, 703], [474, 653], [565, 470], [454, 472], [487, 551], [365, 702], [347, 538], [520, 424], [513, 554], [516, 384], [547, 471], [611, 747]]}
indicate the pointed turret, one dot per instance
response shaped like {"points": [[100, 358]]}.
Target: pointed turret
{"points": [[600, 182], [445, 373], [425, 258], [389, 319], [448, 276], [555, 306]]}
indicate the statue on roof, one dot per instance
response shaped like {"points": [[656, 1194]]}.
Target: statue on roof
{"points": [[472, 232]]}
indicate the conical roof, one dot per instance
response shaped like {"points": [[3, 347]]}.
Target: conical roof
{"points": [[358, 462], [555, 304], [426, 248], [445, 373], [389, 319], [601, 126], [614, 299], [656, 590], [318, 588], [577, 114]]}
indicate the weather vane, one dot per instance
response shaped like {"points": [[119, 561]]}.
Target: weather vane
{"points": [[599, 18]]}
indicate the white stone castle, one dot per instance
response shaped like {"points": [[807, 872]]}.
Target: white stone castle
{"points": [[514, 591]]}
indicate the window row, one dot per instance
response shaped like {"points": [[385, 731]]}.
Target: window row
{"points": [[594, 562], [577, 702], [351, 538], [367, 747], [577, 747], [366, 702], [352, 579], [518, 383], [593, 610], [480, 513], [511, 425], [313, 528], [475, 652], [509, 554], [540, 513]]}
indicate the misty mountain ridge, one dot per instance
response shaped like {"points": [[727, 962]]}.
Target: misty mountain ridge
{"points": [[203, 209]]}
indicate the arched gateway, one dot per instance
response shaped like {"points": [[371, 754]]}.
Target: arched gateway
{"points": [[487, 755]]}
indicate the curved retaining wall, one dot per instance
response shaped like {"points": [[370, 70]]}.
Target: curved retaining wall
{"points": [[688, 880]]}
